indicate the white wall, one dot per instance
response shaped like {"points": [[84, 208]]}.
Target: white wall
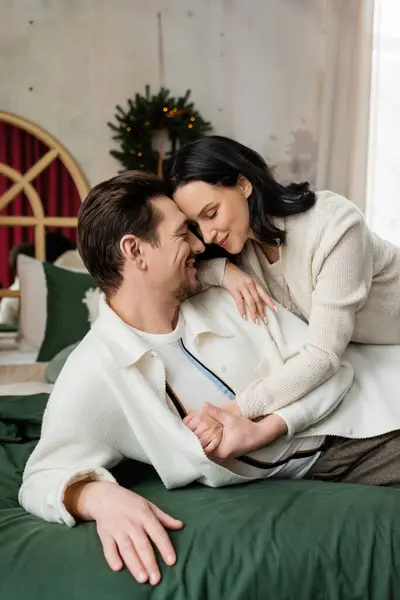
{"points": [[255, 68]]}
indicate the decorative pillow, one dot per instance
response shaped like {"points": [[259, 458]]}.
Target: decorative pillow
{"points": [[54, 367], [71, 260], [91, 299], [8, 328], [9, 308], [32, 316], [67, 319], [35, 298], [33, 307]]}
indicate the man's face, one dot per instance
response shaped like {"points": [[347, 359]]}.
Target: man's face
{"points": [[170, 264]]}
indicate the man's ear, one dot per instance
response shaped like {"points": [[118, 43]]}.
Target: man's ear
{"points": [[132, 250]]}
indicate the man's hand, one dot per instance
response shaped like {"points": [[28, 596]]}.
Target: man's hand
{"points": [[126, 523], [207, 429], [239, 434]]}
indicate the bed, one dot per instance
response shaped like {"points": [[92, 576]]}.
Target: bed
{"points": [[271, 539]]}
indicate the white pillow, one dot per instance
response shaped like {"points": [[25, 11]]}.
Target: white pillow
{"points": [[9, 307], [33, 301], [91, 299], [72, 261]]}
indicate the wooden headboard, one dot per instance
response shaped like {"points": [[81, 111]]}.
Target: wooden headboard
{"points": [[22, 182]]}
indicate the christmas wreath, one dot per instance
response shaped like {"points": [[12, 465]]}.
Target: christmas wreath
{"points": [[153, 128]]}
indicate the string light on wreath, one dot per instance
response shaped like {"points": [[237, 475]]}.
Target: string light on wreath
{"points": [[154, 127]]}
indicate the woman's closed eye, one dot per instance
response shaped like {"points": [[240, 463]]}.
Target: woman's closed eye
{"points": [[212, 214]]}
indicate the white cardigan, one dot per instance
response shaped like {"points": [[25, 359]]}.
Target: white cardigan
{"points": [[338, 276], [109, 402]]}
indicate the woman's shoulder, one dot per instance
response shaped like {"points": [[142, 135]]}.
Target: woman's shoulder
{"points": [[317, 228], [330, 210], [328, 201], [323, 225]]}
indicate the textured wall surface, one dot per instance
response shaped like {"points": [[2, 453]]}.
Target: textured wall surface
{"points": [[255, 69]]}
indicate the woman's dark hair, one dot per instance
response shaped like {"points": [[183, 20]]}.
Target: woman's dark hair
{"points": [[220, 161]]}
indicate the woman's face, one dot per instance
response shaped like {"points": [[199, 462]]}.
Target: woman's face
{"points": [[221, 213]]}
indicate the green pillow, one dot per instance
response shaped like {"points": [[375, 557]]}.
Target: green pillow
{"points": [[67, 315], [8, 328], [54, 367]]}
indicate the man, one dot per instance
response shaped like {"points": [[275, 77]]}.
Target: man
{"points": [[148, 361]]}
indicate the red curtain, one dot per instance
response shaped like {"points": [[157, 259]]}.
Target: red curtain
{"points": [[4, 275], [20, 150]]}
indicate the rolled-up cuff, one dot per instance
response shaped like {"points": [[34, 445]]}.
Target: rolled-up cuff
{"points": [[252, 404], [57, 500], [294, 421]]}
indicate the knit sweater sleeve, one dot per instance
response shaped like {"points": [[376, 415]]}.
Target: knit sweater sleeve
{"points": [[342, 283], [211, 272]]}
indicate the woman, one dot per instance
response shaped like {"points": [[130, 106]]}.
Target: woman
{"points": [[314, 252]]}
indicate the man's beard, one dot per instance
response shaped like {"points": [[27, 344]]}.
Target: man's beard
{"points": [[186, 290]]}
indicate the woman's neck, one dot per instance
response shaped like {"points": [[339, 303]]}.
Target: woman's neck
{"points": [[271, 252]]}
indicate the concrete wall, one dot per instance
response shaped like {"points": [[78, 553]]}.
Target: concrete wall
{"points": [[255, 68]]}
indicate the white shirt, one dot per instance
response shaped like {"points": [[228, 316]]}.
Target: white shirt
{"points": [[190, 383], [109, 401]]}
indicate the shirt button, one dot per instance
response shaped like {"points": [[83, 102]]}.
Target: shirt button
{"points": [[349, 431], [153, 354], [223, 368]]}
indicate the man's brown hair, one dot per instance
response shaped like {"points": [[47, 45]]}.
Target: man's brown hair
{"points": [[114, 208]]}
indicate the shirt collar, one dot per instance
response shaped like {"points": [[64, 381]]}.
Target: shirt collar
{"points": [[200, 320], [124, 345], [127, 348]]}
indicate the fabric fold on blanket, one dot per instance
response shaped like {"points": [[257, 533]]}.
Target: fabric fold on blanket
{"points": [[298, 539]]}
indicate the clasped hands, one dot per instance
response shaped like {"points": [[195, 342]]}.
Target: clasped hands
{"points": [[225, 433]]}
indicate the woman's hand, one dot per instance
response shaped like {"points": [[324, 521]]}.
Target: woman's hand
{"points": [[233, 408], [247, 292]]}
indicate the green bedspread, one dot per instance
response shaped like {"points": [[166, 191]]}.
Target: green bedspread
{"points": [[268, 540]]}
